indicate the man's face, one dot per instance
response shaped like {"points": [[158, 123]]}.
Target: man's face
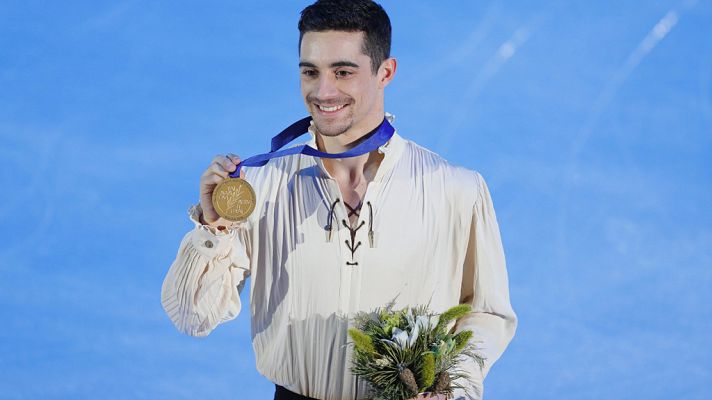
{"points": [[339, 89]]}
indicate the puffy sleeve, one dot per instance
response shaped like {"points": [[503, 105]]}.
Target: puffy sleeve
{"points": [[202, 287], [485, 286]]}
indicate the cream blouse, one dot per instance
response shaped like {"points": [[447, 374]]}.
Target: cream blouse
{"points": [[427, 232]]}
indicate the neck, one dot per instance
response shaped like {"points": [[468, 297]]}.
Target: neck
{"points": [[351, 169], [354, 170], [348, 139]]}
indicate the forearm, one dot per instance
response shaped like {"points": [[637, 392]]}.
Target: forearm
{"points": [[485, 286], [203, 284]]}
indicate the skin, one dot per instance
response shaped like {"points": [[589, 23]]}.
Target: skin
{"points": [[333, 72], [219, 169]]}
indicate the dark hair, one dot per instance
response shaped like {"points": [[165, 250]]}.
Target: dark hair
{"points": [[352, 16]]}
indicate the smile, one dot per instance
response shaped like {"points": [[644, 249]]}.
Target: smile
{"points": [[330, 109]]}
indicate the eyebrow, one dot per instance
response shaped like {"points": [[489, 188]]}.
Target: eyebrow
{"points": [[333, 65]]}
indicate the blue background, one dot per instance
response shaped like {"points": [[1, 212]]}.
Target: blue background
{"points": [[590, 121]]}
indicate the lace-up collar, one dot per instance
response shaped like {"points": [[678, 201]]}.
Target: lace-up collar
{"points": [[391, 151]]}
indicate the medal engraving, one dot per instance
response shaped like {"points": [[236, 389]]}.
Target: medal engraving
{"points": [[234, 199]]}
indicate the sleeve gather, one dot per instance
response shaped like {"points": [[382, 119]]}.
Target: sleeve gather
{"points": [[485, 286], [203, 284]]}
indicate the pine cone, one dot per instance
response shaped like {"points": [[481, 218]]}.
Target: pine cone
{"points": [[406, 375], [443, 384]]}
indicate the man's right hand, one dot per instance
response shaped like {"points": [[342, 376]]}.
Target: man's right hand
{"points": [[217, 172]]}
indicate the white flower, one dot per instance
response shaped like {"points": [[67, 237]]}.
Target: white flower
{"points": [[414, 335], [400, 337], [407, 338], [410, 318], [427, 323]]}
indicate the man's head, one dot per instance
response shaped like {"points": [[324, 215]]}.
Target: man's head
{"points": [[351, 16], [345, 64]]}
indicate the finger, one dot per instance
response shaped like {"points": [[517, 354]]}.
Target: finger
{"points": [[213, 179], [234, 158], [219, 170], [213, 170], [223, 160], [227, 163], [218, 158]]}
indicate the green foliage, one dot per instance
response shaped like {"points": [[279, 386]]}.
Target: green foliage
{"points": [[427, 375], [382, 353], [362, 342], [461, 340], [392, 321], [453, 314]]}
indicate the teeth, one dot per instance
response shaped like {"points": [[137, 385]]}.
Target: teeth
{"points": [[331, 109]]}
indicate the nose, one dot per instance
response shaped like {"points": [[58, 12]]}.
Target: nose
{"points": [[326, 87]]}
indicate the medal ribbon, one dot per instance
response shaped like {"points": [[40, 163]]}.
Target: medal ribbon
{"points": [[373, 141]]}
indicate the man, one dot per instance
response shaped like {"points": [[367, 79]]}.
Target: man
{"points": [[332, 237]]}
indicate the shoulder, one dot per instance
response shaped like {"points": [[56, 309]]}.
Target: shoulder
{"points": [[457, 182]]}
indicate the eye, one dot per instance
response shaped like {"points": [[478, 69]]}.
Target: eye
{"points": [[309, 73], [343, 73]]}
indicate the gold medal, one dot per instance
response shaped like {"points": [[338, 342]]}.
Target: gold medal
{"points": [[234, 199]]}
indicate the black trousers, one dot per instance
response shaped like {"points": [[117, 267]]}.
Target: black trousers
{"points": [[280, 393]]}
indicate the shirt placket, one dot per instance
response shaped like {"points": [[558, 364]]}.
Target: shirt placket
{"points": [[340, 236], [353, 242]]}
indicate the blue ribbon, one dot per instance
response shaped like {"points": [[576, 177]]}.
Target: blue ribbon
{"points": [[372, 141]]}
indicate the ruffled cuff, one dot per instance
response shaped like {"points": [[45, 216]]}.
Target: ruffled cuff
{"points": [[208, 240]]}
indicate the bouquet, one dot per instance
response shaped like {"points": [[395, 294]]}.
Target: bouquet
{"points": [[402, 353]]}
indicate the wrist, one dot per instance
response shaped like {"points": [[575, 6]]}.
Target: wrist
{"points": [[201, 219], [218, 224]]}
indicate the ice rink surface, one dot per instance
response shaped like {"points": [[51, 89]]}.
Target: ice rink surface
{"points": [[590, 121]]}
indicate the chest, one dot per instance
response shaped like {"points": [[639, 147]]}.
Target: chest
{"points": [[353, 183], [403, 241], [353, 194]]}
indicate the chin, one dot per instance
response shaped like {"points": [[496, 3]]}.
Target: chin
{"points": [[331, 130]]}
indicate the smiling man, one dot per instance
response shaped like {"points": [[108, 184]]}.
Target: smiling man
{"points": [[341, 90], [334, 236]]}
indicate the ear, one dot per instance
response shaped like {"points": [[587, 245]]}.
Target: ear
{"points": [[387, 71]]}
